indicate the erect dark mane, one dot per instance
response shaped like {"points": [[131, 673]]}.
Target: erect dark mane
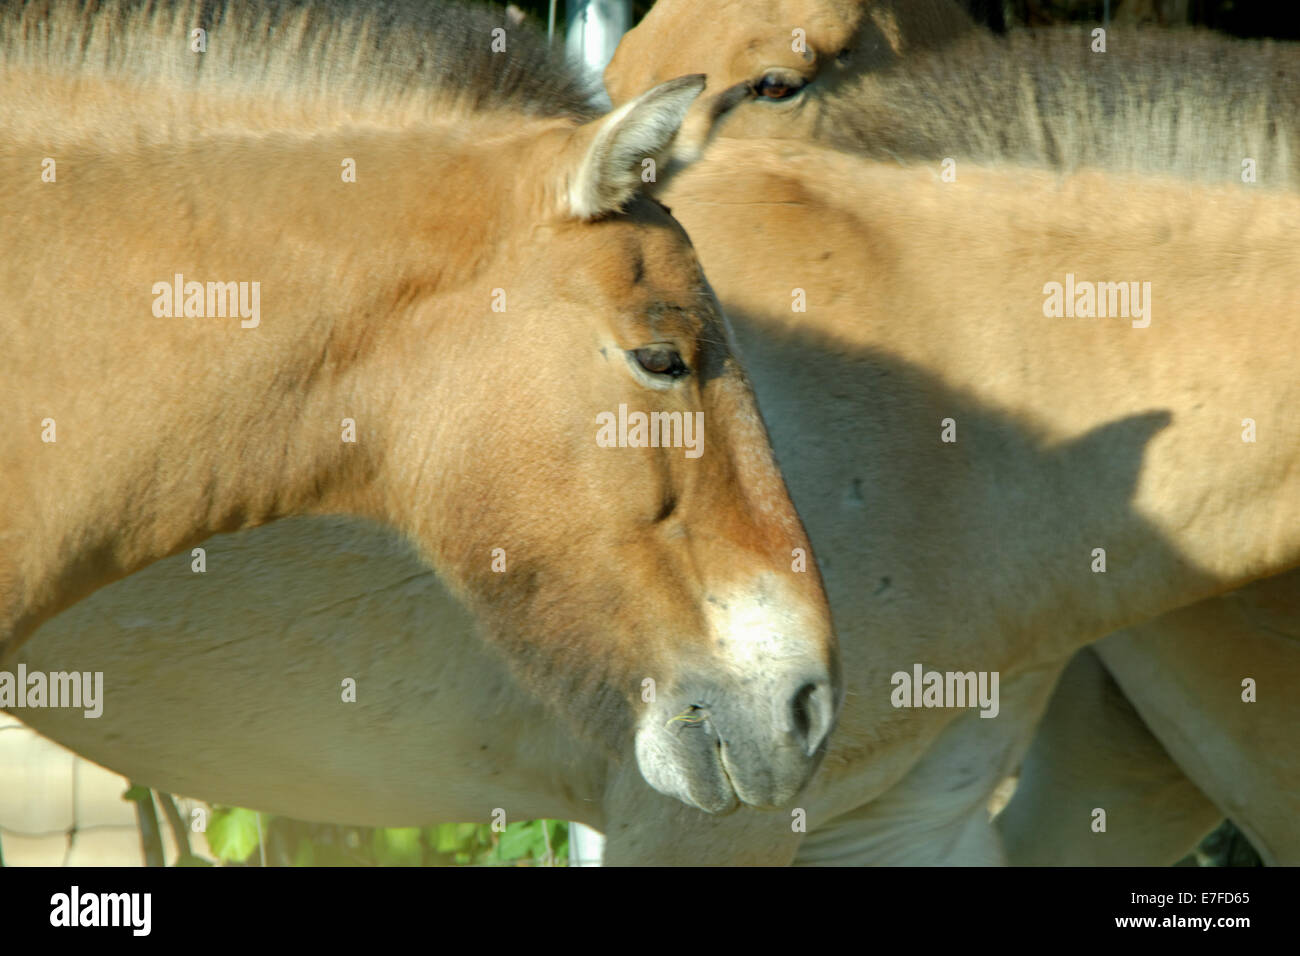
{"points": [[372, 50], [1178, 103]]}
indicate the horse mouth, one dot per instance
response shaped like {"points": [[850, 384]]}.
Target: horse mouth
{"points": [[721, 751], [697, 718], [719, 758]]}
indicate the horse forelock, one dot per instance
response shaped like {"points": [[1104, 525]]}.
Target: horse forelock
{"points": [[444, 61], [1187, 104]]}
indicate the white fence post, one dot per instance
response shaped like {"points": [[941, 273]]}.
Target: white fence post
{"points": [[594, 29], [586, 846]]}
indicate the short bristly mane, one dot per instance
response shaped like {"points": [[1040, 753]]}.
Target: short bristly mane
{"points": [[1183, 104], [127, 66]]}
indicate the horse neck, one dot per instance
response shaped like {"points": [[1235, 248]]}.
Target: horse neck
{"points": [[198, 424], [925, 301], [1139, 420]]}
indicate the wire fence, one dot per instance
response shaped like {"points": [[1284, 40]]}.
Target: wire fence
{"points": [[59, 809]]}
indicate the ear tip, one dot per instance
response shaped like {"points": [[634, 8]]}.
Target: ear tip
{"points": [[732, 97], [692, 81]]}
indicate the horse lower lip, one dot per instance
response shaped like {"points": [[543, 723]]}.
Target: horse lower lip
{"points": [[726, 774], [720, 755]]}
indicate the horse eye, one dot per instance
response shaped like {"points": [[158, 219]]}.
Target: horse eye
{"points": [[844, 56], [775, 87], [661, 360]]}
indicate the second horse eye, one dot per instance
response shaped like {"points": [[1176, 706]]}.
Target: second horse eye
{"points": [[776, 87], [660, 361]]}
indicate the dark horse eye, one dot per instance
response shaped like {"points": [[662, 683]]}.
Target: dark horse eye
{"points": [[660, 360], [776, 87]]}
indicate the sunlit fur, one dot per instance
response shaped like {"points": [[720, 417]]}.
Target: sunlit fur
{"points": [[271, 64], [912, 267], [867, 426], [736, 41], [475, 428], [1190, 105], [1186, 104]]}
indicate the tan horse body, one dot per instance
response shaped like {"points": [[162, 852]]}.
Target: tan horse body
{"points": [[1184, 753], [388, 358], [968, 560], [1079, 400], [931, 563], [1242, 106]]}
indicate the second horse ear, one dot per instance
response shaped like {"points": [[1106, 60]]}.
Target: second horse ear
{"points": [[702, 122], [607, 159]]}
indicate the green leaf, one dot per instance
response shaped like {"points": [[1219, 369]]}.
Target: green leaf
{"points": [[520, 841], [232, 834], [450, 837], [328, 855], [398, 846]]}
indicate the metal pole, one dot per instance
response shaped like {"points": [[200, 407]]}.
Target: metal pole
{"points": [[594, 29], [146, 817]]}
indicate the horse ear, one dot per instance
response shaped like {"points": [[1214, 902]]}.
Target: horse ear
{"points": [[702, 122], [613, 150]]}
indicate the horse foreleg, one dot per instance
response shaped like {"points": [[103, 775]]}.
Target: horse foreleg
{"points": [[1093, 755]]}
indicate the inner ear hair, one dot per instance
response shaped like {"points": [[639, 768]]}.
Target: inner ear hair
{"points": [[615, 147]]}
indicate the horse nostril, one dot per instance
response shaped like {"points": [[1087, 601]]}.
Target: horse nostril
{"points": [[799, 707], [810, 712]]}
